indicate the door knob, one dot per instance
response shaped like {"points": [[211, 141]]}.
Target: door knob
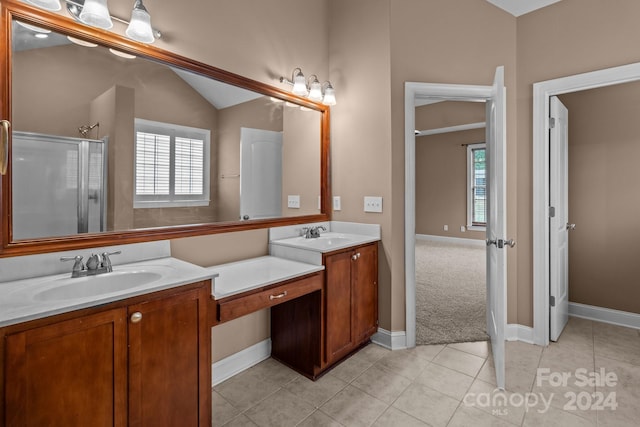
{"points": [[571, 226], [500, 243]]}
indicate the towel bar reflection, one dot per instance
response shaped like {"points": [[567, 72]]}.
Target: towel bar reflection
{"points": [[223, 176]]}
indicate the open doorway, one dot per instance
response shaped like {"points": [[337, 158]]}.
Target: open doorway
{"points": [[450, 256], [496, 243], [600, 235]]}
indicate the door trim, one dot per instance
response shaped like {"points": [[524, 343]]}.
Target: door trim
{"points": [[414, 91], [542, 91]]}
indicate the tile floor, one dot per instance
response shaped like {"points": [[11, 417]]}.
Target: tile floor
{"points": [[451, 385]]}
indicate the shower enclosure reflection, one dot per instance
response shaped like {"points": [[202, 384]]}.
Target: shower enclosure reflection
{"points": [[58, 185]]}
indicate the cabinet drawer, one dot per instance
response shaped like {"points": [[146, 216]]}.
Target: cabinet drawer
{"points": [[236, 306]]}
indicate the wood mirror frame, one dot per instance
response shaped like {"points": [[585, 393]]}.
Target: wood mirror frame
{"points": [[10, 9]]}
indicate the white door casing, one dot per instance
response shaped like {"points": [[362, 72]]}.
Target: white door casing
{"points": [[542, 92], [414, 92], [559, 215], [260, 173]]}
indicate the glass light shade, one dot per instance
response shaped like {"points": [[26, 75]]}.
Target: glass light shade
{"points": [[139, 28], [315, 91], [81, 42], [329, 96], [52, 5], [96, 14], [299, 84]]}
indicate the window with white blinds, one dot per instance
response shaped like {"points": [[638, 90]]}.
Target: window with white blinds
{"points": [[476, 186], [171, 165]]}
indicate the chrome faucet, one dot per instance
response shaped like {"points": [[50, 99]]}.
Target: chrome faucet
{"points": [[95, 264], [312, 232]]}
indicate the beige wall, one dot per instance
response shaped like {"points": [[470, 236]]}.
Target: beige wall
{"points": [[441, 167], [441, 183], [301, 160], [260, 113], [604, 147], [361, 126], [566, 38], [433, 42]]}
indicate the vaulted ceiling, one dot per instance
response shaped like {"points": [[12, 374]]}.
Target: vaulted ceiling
{"points": [[520, 7]]}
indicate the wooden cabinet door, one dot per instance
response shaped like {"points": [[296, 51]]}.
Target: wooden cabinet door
{"points": [[365, 292], [338, 300], [169, 362], [69, 373]]}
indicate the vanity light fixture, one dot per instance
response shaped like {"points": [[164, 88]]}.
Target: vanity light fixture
{"points": [[313, 89], [96, 14]]}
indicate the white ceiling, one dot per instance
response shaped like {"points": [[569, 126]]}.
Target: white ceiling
{"points": [[520, 7]]}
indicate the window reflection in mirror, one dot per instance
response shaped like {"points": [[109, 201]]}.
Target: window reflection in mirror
{"points": [[80, 164]]}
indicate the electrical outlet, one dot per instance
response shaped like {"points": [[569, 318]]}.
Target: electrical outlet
{"points": [[463, 228], [336, 203], [446, 227], [293, 202], [372, 204]]}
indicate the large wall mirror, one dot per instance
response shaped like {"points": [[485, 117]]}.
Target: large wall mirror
{"points": [[115, 141]]}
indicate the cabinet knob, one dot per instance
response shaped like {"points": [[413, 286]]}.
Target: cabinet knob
{"points": [[136, 317], [355, 256]]}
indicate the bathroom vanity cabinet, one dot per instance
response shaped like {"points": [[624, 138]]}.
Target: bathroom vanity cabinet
{"points": [[351, 299], [142, 361]]}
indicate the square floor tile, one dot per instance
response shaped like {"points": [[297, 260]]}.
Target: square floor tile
{"points": [[459, 361], [393, 417], [353, 407], [427, 405], [381, 383], [445, 380], [282, 409], [316, 392]]}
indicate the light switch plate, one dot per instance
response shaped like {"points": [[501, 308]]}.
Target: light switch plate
{"points": [[336, 203], [372, 204], [293, 201]]}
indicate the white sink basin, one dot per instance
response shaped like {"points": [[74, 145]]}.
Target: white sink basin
{"points": [[326, 242], [91, 286]]}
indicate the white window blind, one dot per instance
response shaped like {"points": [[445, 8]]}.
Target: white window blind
{"points": [[171, 165]]}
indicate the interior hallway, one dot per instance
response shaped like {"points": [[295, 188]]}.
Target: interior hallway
{"points": [[446, 385]]}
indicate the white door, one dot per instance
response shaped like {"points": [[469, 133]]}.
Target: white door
{"points": [[496, 225], [260, 174], [558, 223]]}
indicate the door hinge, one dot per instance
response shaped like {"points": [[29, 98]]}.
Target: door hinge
{"points": [[552, 122], [552, 301], [552, 212]]}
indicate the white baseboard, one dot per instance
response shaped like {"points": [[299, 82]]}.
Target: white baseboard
{"points": [[516, 332], [393, 340], [458, 240], [240, 361], [606, 315]]}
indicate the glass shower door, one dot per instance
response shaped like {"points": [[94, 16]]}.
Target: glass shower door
{"points": [[58, 186]]}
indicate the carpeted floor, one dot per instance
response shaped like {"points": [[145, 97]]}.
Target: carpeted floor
{"points": [[450, 293]]}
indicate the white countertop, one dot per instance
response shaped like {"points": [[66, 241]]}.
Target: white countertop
{"points": [[20, 302], [327, 242], [237, 277]]}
